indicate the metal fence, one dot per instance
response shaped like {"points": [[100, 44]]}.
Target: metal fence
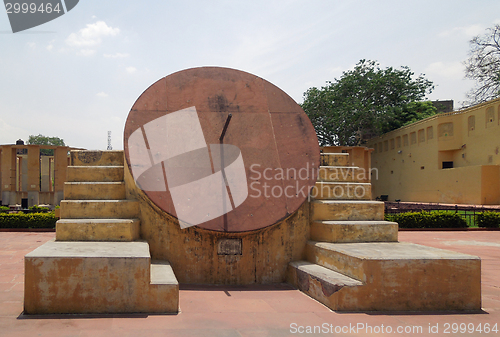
{"points": [[468, 213]]}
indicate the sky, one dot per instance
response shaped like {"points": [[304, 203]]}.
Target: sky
{"points": [[77, 77]]}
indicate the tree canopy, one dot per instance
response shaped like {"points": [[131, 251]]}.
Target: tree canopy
{"points": [[483, 66], [44, 140], [366, 102]]}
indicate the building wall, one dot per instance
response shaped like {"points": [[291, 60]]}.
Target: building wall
{"points": [[193, 252], [410, 160], [24, 174]]}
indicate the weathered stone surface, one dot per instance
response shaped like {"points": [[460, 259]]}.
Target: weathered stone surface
{"points": [[96, 158], [321, 283], [354, 231], [97, 277], [94, 191], [341, 191], [271, 130], [343, 173], [402, 276], [94, 173], [98, 230], [359, 210], [334, 159], [99, 209]]}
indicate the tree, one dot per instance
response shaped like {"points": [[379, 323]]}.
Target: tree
{"points": [[365, 102], [43, 140], [483, 66]]}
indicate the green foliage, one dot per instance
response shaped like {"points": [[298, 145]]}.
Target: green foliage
{"points": [[483, 66], [43, 140], [4, 209], [437, 219], [363, 103], [488, 219], [31, 220], [38, 209], [410, 113]]}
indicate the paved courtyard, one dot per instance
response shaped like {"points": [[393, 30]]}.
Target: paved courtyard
{"points": [[274, 310]]}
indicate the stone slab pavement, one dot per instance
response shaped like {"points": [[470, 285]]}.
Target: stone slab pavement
{"points": [[270, 310]]}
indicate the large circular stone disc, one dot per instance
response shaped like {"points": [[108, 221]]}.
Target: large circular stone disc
{"points": [[261, 174]]}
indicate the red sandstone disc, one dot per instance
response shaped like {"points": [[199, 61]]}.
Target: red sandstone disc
{"points": [[260, 173]]}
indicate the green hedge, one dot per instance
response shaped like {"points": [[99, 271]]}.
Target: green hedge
{"points": [[4, 209], [436, 219], [31, 220], [488, 220]]}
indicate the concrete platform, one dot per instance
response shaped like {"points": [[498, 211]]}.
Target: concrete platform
{"points": [[260, 310], [354, 231], [401, 276], [97, 277], [341, 210], [97, 229]]}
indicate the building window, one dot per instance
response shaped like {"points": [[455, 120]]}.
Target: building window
{"points": [[447, 164], [445, 130], [413, 138], [471, 123], [421, 136], [380, 147], [392, 144], [490, 116], [386, 145], [398, 142], [430, 133], [405, 140]]}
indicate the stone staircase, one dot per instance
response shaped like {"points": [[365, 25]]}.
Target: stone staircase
{"points": [[354, 261], [97, 264]]}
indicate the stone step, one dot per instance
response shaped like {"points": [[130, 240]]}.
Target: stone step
{"points": [[322, 284], [340, 210], [97, 230], [96, 158], [94, 174], [334, 159], [99, 209], [402, 276], [324, 190], [97, 277], [343, 173], [94, 191], [354, 231]]}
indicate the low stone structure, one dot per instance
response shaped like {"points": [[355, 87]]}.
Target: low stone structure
{"points": [[122, 245]]}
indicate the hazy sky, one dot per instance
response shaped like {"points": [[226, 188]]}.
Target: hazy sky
{"points": [[77, 76]]}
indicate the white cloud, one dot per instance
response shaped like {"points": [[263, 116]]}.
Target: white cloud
{"points": [[91, 35], [102, 94], [116, 56], [32, 45], [86, 52], [131, 70], [467, 31], [452, 70]]}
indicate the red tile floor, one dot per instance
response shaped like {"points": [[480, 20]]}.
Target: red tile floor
{"points": [[276, 310]]}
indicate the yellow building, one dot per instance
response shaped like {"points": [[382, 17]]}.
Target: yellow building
{"points": [[448, 158]]}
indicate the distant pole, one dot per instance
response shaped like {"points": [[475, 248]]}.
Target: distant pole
{"points": [[109, 141]]}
